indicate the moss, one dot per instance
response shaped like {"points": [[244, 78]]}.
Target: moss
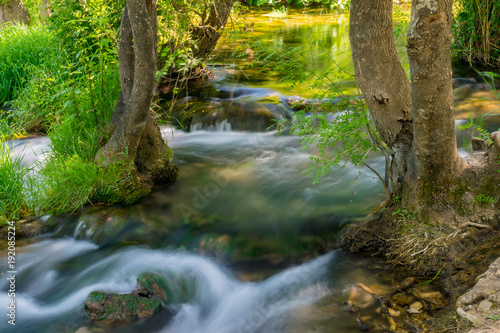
{"points": [[113, 308], [169, 155]]}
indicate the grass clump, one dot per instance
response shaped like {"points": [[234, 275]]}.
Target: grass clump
{"points": [[23, 51], [15, 185], [68, 184]]}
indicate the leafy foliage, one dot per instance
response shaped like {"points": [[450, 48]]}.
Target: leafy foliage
{"points": [[483, 198], [23, 49], [477, 32], [71, 95], [338, 126]]}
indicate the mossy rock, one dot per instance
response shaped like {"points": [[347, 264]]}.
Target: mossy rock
{"points": [[220, 246], [61, 225], [110, 309], [101, 224], [170, 289]]}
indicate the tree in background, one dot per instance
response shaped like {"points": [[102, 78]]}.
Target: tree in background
{"points": [[134, 133], [13, 10]]}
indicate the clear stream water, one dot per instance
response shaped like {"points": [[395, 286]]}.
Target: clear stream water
{"points": [[242, 221]]}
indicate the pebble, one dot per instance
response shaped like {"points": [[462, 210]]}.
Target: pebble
{"points": [[415, 307], [393, 312]]}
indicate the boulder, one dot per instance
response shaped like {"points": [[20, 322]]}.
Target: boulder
{"points": [[225, 114], [480, 304], [110, 309]]}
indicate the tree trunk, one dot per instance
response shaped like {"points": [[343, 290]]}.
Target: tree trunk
{"points": [[134, 134], [429, 51], [382, 80], [449, 210], [13, 10], [208, 33]]}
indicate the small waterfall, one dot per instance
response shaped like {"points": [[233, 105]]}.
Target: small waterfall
{"points": [[220, 126], [196, 127], [79, 227]]}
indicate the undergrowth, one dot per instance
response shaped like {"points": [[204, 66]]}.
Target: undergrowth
{"points": [[64, 82], [476, 31], [24, 50]]}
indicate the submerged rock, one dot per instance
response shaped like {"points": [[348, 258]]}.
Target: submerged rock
{"points": [[403, 299], [100, 224], [29, 227], [415, 307], [172, 289], [226, 114], [434, 297], [110, 309]]}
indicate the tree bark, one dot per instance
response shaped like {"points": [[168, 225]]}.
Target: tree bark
{"points": [[13, 10], [382, 80], [429, 50], [134, 134], [208, 33]]}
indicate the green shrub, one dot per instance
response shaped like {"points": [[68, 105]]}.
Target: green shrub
{"points": [[23, 50], [69, 183], [477, 32], [332, 4]]}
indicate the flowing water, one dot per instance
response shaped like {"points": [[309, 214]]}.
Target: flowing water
{"points": [[243, 223]]}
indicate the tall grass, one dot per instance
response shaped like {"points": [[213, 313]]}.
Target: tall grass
{"points": [[70, 94], [15, 184], [477, 32], [23, 51], [70, 183]]}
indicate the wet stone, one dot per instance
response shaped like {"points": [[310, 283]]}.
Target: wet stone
{"points": [[433, 297], [415, 307], [112, 309], [362, 326], [403, 299], [393, 312]]}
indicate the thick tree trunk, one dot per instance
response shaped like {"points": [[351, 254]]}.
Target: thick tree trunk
{"points": [[134, 134], [450, 208], [429, 51], [13, 10], [382, 79]]}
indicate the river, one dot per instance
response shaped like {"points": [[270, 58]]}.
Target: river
{"points": [[243, 221]]}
